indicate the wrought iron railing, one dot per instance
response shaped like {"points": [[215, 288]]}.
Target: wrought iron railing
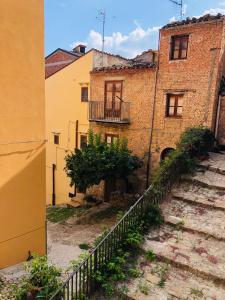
{"points": [[81, 283], [112, 112]]}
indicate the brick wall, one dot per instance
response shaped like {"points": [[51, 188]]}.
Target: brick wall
{"points": [[57, 61], [196, 77], [221, 128]]}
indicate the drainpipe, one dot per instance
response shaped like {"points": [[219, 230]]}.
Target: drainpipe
{"points": [[153, 116], [218, 116]]}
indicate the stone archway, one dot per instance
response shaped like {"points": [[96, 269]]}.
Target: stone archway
{"points": [[165, 153]]}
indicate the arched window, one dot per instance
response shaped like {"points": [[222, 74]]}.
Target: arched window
{"points": [[166, 152]]}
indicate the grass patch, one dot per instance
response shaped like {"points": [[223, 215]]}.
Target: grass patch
{"points": [[107, 213], [56, 214]]}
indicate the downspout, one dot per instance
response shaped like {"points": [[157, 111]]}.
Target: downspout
{"points": [[217, 117], [153, 115]]}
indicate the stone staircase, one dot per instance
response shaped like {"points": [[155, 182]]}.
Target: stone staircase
{"points": [[190, 246]]}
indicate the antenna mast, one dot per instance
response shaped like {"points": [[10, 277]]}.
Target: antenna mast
{"points": [[102, 18], [180, 4]]}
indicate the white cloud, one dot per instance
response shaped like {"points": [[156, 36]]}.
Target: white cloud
{"points": [[128, 45], [214, 11], [173, 19]]}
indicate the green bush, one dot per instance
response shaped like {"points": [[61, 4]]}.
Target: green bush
{"points": [[198, 141], [194, 143], [42, 281], [100, 161]]}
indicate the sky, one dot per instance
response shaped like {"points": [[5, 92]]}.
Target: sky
{"points": [[131, 25]]}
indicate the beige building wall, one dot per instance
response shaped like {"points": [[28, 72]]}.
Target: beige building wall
{"points": [[22, 145], [63, 109]]}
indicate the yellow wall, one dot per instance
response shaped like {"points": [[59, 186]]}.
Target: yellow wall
{"points": [[63, 109], [22, 146]]}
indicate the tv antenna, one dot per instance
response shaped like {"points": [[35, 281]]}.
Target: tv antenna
{"points": [[180, 4], [102, 17]]}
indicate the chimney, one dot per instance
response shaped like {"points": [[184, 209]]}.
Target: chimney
{"points": [[79, 49]]}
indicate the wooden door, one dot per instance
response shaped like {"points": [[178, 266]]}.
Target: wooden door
{"points": [[113, 99]]}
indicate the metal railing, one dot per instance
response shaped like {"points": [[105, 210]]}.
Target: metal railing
{"points": [[112, 112], [81, 283]]}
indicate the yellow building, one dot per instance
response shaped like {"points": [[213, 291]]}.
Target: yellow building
{"points": [[22, 140], [67, 94]]}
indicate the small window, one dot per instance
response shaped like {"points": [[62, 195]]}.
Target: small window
{"points": [[84, 94], [56, 139], [174, 105], [179, 47], [83, 141], [111, 138]]}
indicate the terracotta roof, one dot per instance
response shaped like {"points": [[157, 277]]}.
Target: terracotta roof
{"points": [[66, 51], [144, 52], [205, 18], [107, 53], [125, 67]]}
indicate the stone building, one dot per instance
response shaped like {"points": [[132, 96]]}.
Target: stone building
{"points": [[121, 103], [161, 93], [190, 68]]}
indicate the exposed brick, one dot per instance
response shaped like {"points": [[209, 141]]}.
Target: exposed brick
{"points": [[197, 77]]}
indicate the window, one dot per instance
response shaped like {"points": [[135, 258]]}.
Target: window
{"points": [[84, 94], [83, 141], [179, 47], [111, 138], [113, 96], [56, 139], [174, 105]]}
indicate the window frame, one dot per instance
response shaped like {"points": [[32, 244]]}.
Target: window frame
{"points": [[112, 135], [56, 139], [175, 115], [172, 46], [84, 99], [83, 136]]}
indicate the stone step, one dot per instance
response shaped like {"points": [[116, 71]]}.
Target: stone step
{"points": [[179, 284], [210, 222], [196, 194], [215, 163], [202, 256], [208, 179]]}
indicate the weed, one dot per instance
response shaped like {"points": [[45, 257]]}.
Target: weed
{"points": [[197, 293], [150, 255], [143, 287], [84, 246], [133, 272]]}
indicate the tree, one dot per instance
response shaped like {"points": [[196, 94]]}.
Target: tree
{"points": [[100, 161]]}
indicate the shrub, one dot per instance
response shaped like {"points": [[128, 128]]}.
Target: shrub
{"points": [[194, 143], [100, 161], [41, 282], [198, 141]]}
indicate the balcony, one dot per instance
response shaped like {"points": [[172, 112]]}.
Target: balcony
{"points": [[109, 112]]}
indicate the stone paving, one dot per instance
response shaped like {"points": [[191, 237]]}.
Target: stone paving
{"points": [[190, 246], [196, 194]]}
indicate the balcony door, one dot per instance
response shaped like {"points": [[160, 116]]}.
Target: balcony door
{"points": [[113, 99]]}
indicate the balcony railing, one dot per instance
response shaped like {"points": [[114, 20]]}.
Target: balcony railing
{"points": [[109, 112]]}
